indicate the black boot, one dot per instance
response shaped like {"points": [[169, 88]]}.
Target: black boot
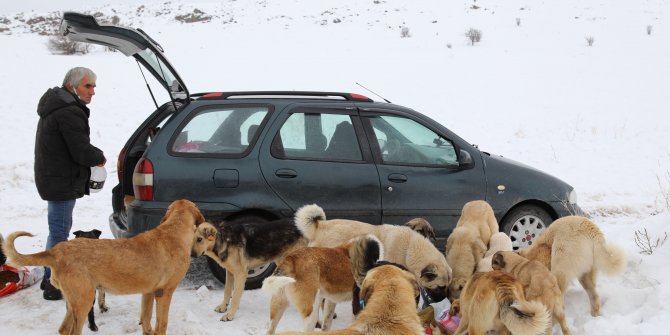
{"points": [[43, 284], [50, 292]]}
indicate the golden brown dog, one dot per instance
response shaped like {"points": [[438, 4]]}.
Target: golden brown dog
{"points": [[538, 283], [390, 308], [574, 247], [151, 263], [495, 301], [498, 242], [311, 272], [468, 243], [239, 246], [402, 245]]}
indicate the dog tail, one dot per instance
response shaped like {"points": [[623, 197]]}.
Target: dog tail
{"points": [[609, 258], [364, 252], [273, 283], [18, 259], [520, 316], [307, 218]]}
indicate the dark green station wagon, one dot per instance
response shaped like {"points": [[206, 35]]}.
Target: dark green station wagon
{"points": [[265, 154]]}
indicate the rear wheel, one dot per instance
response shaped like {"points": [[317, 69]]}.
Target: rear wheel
{"points": [[255, 276], [524, 224]]}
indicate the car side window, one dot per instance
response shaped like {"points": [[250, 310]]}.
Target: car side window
{"points": [[328, 137], [220, 131], [405, 141]]}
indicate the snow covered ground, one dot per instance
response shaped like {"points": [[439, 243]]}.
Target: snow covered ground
{"points": [[594, 116]]}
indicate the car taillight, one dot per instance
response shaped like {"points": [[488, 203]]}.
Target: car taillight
{"points": [[119, 165], [143, 180]]}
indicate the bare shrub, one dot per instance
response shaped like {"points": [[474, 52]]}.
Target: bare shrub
{"points": [[643, 242], [474, 35], [649, 29], [448, 45], [589, 40], [61, 45], [404, 32], [518, 21]]}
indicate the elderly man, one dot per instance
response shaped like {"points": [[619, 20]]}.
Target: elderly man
{"points": [[64, 155]]}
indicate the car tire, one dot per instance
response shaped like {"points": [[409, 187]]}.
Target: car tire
{"points": [[255, 276], [524, 224]]}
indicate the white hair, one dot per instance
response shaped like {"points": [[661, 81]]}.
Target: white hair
{"points": [[76, 74]]}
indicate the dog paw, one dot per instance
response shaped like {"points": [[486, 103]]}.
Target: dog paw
{"points": [[227, 317], [103, 309], [221, 308]]}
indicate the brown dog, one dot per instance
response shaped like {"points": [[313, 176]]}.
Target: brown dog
{"points": [[390, 308], [240, 246], [495, 301], [306, 273], [402, 246], [574, 247], [151, 263], [468, 243], [538, 283]]}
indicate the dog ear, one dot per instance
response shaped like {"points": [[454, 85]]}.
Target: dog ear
{"points": [[78, 233], [498, 261], [96, 232], [423, 227], [197, 215]]}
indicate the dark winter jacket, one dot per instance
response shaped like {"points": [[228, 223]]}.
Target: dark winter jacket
{"points": [[63, 151]]}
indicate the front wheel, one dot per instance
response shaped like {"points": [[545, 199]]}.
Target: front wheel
{"points": [[524, 224]]}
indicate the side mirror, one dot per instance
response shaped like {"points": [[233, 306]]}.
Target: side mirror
{"points": [[465, 160]]}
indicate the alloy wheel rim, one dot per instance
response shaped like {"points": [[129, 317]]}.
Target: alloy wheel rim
{"points": [[258, 271], [525, 231]]}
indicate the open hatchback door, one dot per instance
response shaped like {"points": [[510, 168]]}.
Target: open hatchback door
{"points": [[131, 42]]}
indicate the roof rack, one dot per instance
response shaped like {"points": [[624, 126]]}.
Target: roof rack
{"points": [[278, 94]]}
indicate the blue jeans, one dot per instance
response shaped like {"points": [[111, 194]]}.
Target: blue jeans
{"points": [[60, 223]]}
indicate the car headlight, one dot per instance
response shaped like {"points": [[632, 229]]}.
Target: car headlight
{"points": [[572, 197]]}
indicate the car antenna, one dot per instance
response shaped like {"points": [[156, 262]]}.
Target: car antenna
{"points": [[148, 87], [369, 90]]}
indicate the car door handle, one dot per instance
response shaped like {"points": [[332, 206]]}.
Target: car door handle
{"points": [[397, 178], [286, 173]]}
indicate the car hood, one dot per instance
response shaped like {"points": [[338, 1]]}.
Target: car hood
{"points": [[131, 42], [522, 182]]}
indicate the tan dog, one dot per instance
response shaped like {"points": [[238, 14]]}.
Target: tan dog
{"points": [[390, 308], [498, 242], [403, 246], [240, 246], [574, 247], [311, 272], [151, 263], [538, 283], [468, 243], [495, 301]]}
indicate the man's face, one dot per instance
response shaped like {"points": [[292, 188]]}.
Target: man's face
{"points": [[85, 90]]}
